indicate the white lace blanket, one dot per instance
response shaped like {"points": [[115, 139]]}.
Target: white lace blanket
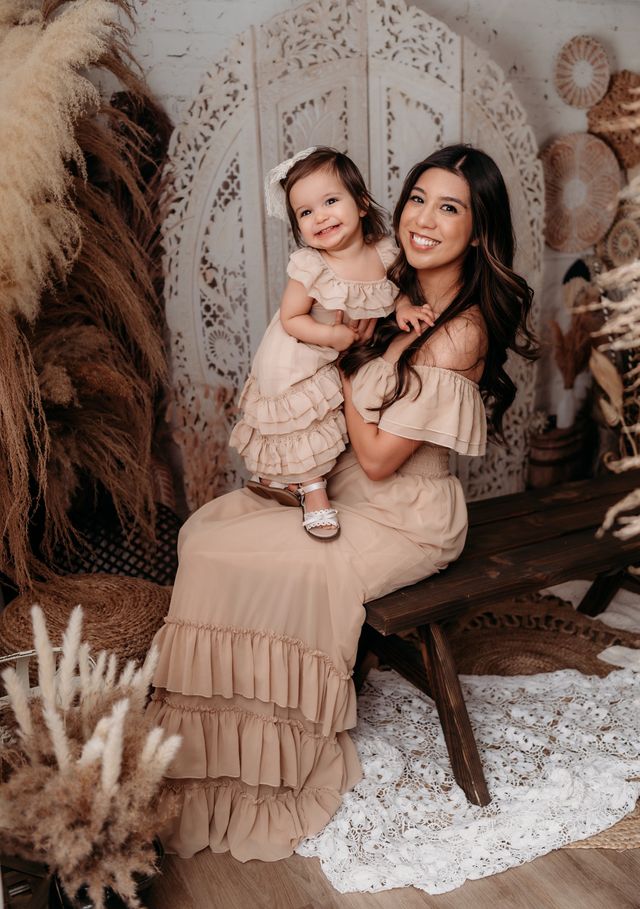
{"points": [[558, 749]]}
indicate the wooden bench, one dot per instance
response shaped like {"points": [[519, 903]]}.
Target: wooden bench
{"points": [[517, 544]]}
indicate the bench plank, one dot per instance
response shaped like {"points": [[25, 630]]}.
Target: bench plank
{"points": [[511, 505], [516, 544], [537, 526], [490, 578]]}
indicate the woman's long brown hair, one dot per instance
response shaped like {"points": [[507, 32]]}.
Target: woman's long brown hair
{"points": [[486, 280]]}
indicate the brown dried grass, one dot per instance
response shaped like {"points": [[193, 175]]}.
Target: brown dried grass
{"points": [[80, 390]]}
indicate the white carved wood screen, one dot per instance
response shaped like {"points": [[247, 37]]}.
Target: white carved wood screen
{"points": [[384, 82]]}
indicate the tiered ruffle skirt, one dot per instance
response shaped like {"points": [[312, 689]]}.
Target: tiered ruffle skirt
{"points": [[296, 435]]}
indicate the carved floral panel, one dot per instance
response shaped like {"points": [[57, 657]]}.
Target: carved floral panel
{"points": [[380, 80]]}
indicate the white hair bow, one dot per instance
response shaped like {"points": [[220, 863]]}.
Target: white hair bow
{"points": [[274, 194]]}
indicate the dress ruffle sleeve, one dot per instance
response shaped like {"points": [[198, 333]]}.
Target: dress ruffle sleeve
{"points": [[358, 299], [447, 410]]}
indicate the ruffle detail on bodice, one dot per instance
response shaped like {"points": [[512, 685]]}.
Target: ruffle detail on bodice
{"points": [[357, 299], [230, 816], [292, 454], [207, 661], [295, 409], [447, 410], [230, 742]]}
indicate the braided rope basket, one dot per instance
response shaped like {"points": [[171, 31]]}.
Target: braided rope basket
{"points": [[121, 614]]}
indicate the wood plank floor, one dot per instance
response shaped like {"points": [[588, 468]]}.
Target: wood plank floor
{"points": [[564, 879]]}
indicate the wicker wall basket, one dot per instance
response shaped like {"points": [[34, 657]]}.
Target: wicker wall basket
{"points": [[582, 71], [621, 245], [582, 180], [611, 108]]}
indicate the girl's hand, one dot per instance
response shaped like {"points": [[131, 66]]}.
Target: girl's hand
{"points": [[341, 336], [364, 328], [413, 317]]}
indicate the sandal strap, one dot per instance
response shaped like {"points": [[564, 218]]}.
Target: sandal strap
{"points": [[311, 487], [324, 517], [270, 484]]}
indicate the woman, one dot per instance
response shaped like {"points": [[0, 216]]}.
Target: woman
{"points": [[259, 644]]}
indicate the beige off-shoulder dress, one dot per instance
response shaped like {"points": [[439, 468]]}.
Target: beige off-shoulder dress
{"points": [[292, 427], [257, 650]]}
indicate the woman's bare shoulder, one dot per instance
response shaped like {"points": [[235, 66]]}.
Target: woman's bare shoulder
{"points": [[460, 345]]}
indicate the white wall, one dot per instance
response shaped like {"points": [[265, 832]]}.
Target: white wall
{"points": [[175, 41]]}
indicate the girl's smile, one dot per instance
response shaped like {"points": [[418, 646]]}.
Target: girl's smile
{"points": [[328, 216]]}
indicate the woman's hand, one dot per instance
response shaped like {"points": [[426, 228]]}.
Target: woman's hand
{"points": [[413, 317]]}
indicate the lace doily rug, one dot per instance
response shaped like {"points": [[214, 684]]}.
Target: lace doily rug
{"points": [[559, 751]]}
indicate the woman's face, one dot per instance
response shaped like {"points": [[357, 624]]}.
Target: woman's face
{"points": [[436, 227]]}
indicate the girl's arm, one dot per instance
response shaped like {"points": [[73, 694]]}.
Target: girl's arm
{"points": [[380, 453], [297, 321]]}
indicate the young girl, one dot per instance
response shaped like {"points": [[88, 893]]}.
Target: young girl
{"points": [[292, 428]]}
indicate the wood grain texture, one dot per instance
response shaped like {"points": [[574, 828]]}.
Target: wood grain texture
{"points": [[601, 592], [452, 711], [563, 879], [517, 544]]}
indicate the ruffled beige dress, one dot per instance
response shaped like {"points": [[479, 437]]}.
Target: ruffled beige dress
{"points": [[257, 650], [292, 427]]}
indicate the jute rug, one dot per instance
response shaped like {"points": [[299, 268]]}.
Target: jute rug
{"points": [[543, 634]]}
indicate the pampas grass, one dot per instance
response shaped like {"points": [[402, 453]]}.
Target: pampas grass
{"points": [[82, 359], [42, 94], [206, 452], [81, 795]]}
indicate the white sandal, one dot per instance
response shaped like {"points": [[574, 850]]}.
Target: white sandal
{"points": [[322, 524], [280, 492]]}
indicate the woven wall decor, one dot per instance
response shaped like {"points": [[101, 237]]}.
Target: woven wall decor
{"points": [[610, 109], [582, 179], [621, 245], [582, 71]]}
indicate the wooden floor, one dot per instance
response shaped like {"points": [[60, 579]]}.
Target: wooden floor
{"points": [[564, 879]]}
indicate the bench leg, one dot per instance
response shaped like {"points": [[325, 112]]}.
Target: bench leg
{"points": [[601, 592], [456, 726]]}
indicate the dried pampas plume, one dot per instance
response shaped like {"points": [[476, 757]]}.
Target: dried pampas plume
{"points": [[82, 359], [83, 797], [43, 95]]}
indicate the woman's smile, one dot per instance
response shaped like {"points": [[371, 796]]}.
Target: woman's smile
{"points": [[421, 242], [436, 225]]}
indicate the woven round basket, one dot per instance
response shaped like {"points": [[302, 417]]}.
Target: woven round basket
{"points": [[621, 245], [623, 835], [121, 615], [611, 108], [582, 71], [582, 179], [522, 638]]}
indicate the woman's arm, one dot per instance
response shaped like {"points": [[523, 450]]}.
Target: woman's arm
{"points": [[380, 453], [460, 346], [297, 321]]}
